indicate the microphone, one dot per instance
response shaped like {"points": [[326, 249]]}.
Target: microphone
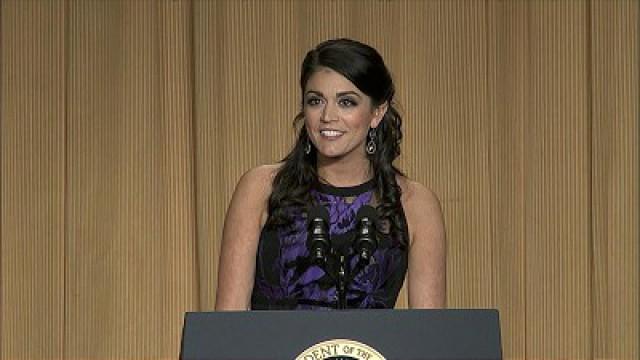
{"points": [[318, 236], [366, 241]]}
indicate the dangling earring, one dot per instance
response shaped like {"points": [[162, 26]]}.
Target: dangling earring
{"points": [[307, 147], [371, 145]]}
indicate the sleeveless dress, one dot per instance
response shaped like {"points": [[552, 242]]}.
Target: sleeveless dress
{"points": [[285, 279]]}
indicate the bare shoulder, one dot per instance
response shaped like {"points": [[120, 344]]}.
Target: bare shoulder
{"points": [[422, 207], [259, 177], [417, 197], [252, 192]]}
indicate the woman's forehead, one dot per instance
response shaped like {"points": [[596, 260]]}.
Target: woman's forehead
{"points": [[328, 80]]}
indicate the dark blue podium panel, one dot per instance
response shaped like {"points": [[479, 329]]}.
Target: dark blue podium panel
{"points": [[393, 334]]}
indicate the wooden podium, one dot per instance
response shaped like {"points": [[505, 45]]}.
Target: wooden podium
{"points": [[347, 334]]}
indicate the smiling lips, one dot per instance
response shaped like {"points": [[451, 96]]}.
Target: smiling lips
{"points": [[331, 134]]}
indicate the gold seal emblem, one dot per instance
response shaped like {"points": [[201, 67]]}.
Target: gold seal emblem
{"points": [[340, 349]]}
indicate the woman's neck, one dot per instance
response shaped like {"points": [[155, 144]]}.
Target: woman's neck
{"points": [[344, 173]]}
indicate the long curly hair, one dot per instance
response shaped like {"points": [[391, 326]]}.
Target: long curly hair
{"points": [[364, 67]]}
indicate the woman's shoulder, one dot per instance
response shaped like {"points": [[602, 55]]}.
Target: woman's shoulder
{"points": [[258, 180], [421, 206], [261, 173], [414, 194], [252, 193]]}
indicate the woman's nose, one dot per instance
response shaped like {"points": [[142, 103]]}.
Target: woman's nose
{"points": [[328, 112]]}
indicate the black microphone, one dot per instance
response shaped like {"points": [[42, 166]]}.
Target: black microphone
{"points": [[366, 241], [318, 237]]}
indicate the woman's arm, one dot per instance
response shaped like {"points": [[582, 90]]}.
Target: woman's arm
{"points": [[427, 282], [245, 217]]}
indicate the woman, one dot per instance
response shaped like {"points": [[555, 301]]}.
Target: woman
{"points": [[343, 160]]}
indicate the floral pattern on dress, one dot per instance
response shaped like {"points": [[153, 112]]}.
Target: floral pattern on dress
{"points": [[286, 280]]}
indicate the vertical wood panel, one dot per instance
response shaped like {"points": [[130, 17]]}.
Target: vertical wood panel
{"points": [[508, 85], [32, 133], [208, 128], [131, 188], [179, 270], [457, 129], [616, 118], [557, 188]]}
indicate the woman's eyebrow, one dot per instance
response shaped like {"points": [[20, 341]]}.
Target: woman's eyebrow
{"points": [[339, 94], [314, 92], [343, 93]]}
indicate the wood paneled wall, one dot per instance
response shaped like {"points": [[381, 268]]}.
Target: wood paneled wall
{"points": [[124, 126]]}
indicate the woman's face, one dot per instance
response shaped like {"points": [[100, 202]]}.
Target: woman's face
{"points": [[338, 115]]}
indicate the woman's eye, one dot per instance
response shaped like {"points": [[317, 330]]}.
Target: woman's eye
{"points": [[313, 101], [347, 103]]}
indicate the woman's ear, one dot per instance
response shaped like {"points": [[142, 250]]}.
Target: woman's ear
{"points": [[378, 114]]}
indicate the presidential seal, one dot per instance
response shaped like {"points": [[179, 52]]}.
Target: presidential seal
{"points": [[340, 349]]}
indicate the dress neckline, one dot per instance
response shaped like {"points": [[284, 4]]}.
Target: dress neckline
{"points": [[346, 190]]}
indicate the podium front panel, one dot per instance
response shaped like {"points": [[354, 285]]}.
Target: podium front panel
{"points": [[395, 334]]}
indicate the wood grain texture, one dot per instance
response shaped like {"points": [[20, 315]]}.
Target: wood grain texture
{"points": [[125, 125], [32, 180], [616, 119], [557, 194], [131, 201]]}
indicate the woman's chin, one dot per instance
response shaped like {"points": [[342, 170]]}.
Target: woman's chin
{"points": [[330, 153], [336, 154]]}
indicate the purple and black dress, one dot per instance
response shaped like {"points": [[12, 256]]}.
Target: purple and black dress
{"points": [[285, 279]]}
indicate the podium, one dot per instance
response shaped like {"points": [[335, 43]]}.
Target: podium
{"points": [[347, 334]]}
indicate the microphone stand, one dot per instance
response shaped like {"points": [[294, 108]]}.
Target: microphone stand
{"points": [[344, 278], [342, 283], [337, 268]]}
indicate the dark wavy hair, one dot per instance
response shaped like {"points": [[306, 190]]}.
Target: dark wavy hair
{"points": [[364, 67]]}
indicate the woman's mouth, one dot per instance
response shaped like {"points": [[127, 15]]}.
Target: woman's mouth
{"points": [[331, 134]]}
